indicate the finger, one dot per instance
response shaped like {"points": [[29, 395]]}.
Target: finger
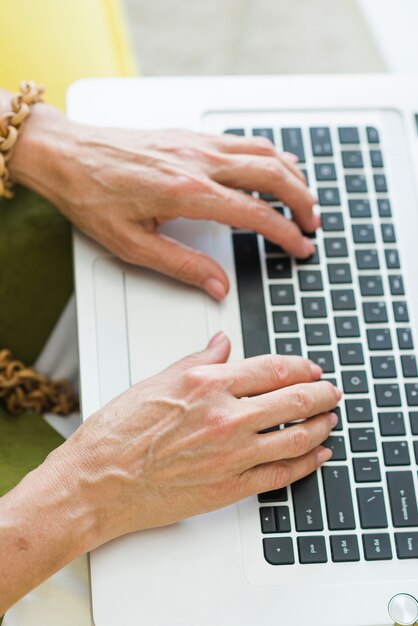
{"points": [[268, 175], [299, 401], [217, 351], [262, 374], [296, 440], [162, 254], [282, 473]]}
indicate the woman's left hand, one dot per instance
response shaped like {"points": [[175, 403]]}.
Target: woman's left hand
{"points": [[119, 185]]}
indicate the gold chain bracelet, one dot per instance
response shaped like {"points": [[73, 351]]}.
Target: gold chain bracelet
{"points": [[10, 128]]}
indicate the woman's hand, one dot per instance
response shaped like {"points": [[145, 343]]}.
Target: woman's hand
{"points": [[118, 186]]}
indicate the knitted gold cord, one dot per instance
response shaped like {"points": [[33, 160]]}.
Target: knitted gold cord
{"points": [[10, 128]]}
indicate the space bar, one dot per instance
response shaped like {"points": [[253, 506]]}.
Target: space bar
{"points": [[250, 293]]}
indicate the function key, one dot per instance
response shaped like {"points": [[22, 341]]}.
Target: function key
{"points": [[384, 207], [240, 132], [339, 273], [290, 346], [400, 311], [344, 548], [278, 550], [310, 280], [324, 359], [348, 134], [405, 341], [332, 222], [351, 353], [352, 159], [375, 312], [355, 382], [371, 504], [312, 549], [317, 335], [336, 247], [359, 208], [409, 366], [376, 158], [383, 366], [275, 495], [392, 424], [329, 196], [279, 268], [356, 183], [379, 339], [367, 259], [282, 294], [292, 142], [267, 519], [267, 133], [396, 453], [314, 307], [367, 470], [343, 300], [371, 285], [363, 440], [285, 322], [387, 395], [363, 233], [413, 419], [396, 285], [377, 547], [388, 233], [337, 445], [325, 171], [321, 141], [411, 390], [380, 183], [347, 326], [392, 259], [372, 134], [403, 502], [407, 545]]}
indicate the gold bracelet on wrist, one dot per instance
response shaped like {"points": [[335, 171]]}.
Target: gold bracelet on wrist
{"points": [[11, 126]]}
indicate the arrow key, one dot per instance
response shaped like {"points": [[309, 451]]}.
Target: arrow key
{"points": [[279, 550], [282, 519]]}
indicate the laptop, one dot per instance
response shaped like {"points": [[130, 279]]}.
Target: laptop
{"points": [[340, 547]]}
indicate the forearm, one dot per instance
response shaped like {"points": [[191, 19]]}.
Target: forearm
{"points": [[45, 522]]}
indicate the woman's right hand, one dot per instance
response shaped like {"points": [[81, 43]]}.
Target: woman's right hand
{"points": [[188, 440]]}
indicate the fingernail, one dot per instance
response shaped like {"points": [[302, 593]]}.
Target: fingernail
{"points": [[292, 156], [316, 220], [316, 370], [313, 199], [333, 419], [324, 454], [217, 339], [215, 288], [308, 247], [339, 393]]}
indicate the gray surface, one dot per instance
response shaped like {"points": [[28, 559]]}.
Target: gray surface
{"points": [[250, 37]]}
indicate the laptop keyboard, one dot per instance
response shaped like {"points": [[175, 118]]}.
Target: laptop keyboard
{"points": [[346, 309]]}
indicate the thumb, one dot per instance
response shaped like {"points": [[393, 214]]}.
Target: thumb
{"points": [[217, 351]]}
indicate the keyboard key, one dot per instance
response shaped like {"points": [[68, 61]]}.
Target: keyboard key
{"points": [[375, 312], [306, 504], [275, 495], [403, 502], [400, 311], [282, 294], [235, 131], [339, 504], [362, 440], [352, 159], [324, 359], [392, 424], [267, 133], [343, 300], [335, 247], [305, 173], [351, 354], [314, 307], [268, 197], [413, 419], [355, 183], [416, 451], [329, 196], [277, 268], [339, 273], [406, 545], [321, 141], [371, 285], [282, 516], [383, 366], [367, 470], [310, 280], [359, 410], [272, 248], [363, 233], [337, 445], [367, 260], [377, 547], [380, 183], [289, 347], [347, 326], [331, 222], [396, 286], [372, 134], [409, 366], [325, 171], [355, 382], [379, 339], [278, 550], [392, 259], [317, 334], [292, 142], [348, 134], [387, 395], [344, 548], [388, 233], [405, 341], [312, 550], [285, 322], [310, 260], [376, 158], [411, 390], [251, 294], [267, 519], [384, 207], [371, 504], [359, 208], [396, 453]]}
